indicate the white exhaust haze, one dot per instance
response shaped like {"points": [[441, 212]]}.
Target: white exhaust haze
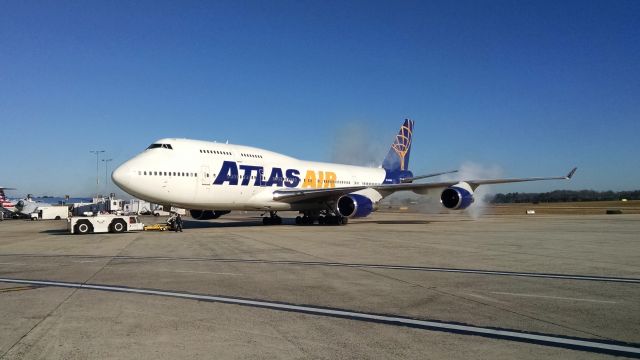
{"points": [[474, 171], [354, 144]]}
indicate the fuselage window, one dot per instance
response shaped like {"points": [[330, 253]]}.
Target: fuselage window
{"points": [[155, 173], [145, 173]]}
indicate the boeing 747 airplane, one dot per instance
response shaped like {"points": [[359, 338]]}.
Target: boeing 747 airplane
{"points": [[212, 179]]}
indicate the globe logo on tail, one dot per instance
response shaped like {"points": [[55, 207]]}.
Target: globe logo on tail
{"points": [[402, 143]]}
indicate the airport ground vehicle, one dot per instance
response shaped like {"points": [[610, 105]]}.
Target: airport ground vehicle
{"points": [[104, 223], [160, 211], [50, 213], [157, 227]]}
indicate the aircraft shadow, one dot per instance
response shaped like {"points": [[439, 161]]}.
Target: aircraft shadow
{"points": [[196, 224], [392, 222], [55, 232]]}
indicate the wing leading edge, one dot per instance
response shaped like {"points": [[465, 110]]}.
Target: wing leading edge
{"points": [[295, 195]]}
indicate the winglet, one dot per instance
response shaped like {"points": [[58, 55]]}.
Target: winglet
{"points": [[570, 174]]}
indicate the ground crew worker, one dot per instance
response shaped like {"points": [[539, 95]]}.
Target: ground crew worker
{"points": [[178, 223]]}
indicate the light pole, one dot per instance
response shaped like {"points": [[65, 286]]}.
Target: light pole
{"points": [[106, 171], [97, 152]]}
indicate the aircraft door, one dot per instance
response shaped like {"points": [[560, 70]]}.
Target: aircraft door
{"points": [[205, 176]]}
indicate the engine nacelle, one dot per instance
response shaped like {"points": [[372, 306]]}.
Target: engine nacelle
{"points": [[457, 197], [354, 206], [207, 214]]}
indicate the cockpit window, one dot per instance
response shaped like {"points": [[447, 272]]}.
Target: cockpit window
{"points": [[164, 146]]}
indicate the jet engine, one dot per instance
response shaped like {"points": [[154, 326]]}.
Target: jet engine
{"points": [[207, 214], [354, 206], [457, 197]]}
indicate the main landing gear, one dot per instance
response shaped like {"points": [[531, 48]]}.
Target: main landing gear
{"points": [[322, 218], [308, 218], [273, 219]]}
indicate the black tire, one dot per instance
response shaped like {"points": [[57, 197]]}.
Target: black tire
{"points": [[298, 220], [156, 214], [118, 226], [344, 221], [83, 227], [266, 221], [57, 217]]}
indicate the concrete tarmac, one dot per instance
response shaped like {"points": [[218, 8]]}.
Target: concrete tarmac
{"points": [[452, 280]]}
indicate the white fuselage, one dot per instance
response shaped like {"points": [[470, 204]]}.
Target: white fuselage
{"points": [[206, 175]]}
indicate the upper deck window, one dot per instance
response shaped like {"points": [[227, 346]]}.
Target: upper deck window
{"points": [[164, 146]]}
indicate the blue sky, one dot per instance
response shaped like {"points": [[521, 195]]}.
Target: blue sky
{"points": [[528, 87]]}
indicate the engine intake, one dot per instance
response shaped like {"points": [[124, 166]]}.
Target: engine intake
{"points": [[456, 198], [207, 214], [354, 206]]}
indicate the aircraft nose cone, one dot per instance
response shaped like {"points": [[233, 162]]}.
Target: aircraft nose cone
{"points": [[121, 176]]}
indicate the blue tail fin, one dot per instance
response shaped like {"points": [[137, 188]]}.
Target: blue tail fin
{"points": [[398, 157]]}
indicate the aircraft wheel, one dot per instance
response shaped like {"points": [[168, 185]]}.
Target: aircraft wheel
{"points": [[266, 221], [298, 220], [344, 221]]}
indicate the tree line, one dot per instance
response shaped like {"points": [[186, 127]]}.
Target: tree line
{"points": [[563, 196]]}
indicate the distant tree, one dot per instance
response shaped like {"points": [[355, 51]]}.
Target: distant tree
{"points": [[563, 196]]}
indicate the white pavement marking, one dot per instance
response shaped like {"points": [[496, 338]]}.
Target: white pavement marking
{"points": [[554, 297], [13, 264], [550, 340]]}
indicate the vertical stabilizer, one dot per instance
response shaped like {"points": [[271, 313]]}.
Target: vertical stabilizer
{"points": [[398, 157], [4, 202]]}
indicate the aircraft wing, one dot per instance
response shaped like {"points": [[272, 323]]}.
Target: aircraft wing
{"points": [[295, 195]]}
